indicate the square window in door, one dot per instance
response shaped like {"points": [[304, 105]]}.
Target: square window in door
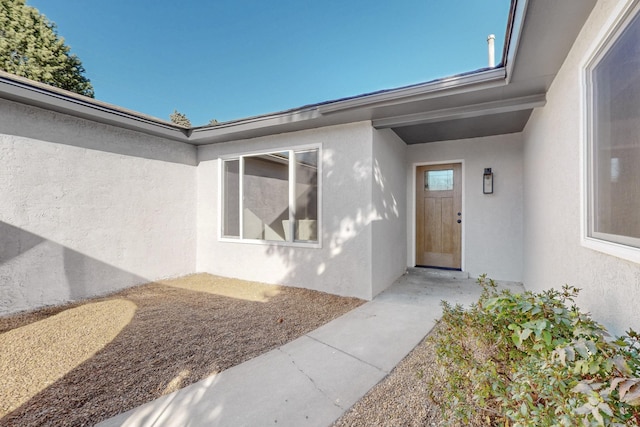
{"points": [[438, 180]]}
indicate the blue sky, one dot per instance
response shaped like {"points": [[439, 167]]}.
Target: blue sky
{"points": [[239, 58]]}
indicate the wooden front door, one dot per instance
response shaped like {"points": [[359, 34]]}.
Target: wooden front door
{"points": [[439, 215]]}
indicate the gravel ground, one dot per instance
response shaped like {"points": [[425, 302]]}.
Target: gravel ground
{"points": [[401, 399], [82, 363]]}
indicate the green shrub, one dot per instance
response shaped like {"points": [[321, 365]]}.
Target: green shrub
{"points": [[533, 359]]}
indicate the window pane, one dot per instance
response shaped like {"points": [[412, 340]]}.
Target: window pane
{"points": [[266, 196], [306, 195], [616, 139], [439, 180], [231, 202]]}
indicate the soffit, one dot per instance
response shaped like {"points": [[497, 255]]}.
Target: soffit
{"points": [[472, 127], [550, 29]]}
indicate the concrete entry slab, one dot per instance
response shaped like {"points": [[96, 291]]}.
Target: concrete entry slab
{"points": [[380, 333]]}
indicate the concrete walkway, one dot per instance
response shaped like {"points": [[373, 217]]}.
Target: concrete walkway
{"points": [[313, 380]]}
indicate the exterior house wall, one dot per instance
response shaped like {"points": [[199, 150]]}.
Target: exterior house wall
{"points": [[389, 226], [492, 223], [342, 265], [87, 208], [554, 255]]}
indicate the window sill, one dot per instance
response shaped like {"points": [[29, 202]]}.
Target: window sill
{"points": [[307, 245], [614, 249]]}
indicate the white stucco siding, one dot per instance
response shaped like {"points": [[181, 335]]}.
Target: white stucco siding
{"points": [[87, 208], [343, 264], [552, 175], [389, 226], [492, 223]]}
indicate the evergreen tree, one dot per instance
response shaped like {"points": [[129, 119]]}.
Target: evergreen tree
{"points": [[180, 119], [30, 47]]}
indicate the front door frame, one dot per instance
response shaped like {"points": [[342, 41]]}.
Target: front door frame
{"points": [[412, 209]]}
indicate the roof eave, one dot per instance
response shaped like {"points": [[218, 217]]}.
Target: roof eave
{"points": [[41, 95], [342, 111], [481, 79], [253, 126], [513, 35], [463, 112]]}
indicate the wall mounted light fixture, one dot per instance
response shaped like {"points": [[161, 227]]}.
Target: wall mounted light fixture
{"points": [[487, 181]]}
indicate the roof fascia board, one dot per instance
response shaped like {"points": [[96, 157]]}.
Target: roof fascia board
{"points": [[463, 112], [40, 95], [220, 131], [514, 35], [438, 88]]}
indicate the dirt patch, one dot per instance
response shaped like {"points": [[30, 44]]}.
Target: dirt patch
{"points": [[82, 363], [402, 398]]}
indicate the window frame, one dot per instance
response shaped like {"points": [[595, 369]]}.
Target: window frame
{"points": [[291, 187], [615, 245]]}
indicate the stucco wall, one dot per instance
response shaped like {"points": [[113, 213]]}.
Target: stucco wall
{"points": [[88, 208], [492, 223], [389, 226], [343, 264], [552, 176]]}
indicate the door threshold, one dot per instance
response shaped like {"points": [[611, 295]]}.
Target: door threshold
{"points": [[439, 268]]}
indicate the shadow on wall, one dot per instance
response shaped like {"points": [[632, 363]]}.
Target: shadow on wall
{"points": [[15, 241], [388, 208], [31, 122], [355, 196], [35, 272]]}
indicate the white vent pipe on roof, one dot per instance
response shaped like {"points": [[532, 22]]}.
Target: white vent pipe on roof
{"points": [[492, 50]]}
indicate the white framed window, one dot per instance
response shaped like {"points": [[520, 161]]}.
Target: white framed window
{"points": [[271, 196], [612, 154]]}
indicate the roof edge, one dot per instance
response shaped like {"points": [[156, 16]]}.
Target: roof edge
{"points": [[30, 92], [431, 89], [513, 35]]}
